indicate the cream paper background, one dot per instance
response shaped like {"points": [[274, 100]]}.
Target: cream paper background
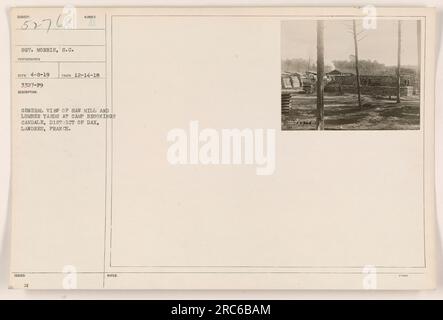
{"points": [[304, 203], [344, 198]]}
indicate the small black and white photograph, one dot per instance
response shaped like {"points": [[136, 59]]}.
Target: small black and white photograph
{"points": [[350, 74]]}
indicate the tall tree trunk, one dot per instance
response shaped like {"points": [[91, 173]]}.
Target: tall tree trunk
{"points": [[418, 80], [398, 61], [357, 72], [320, 75]]}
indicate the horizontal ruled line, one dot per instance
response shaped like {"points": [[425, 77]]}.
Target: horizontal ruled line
{"points": [[61, 78], [205, 272], [40, 61], [61, 29], [59, 45]]}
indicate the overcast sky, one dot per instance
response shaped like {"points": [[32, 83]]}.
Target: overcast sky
{"points": [[299, 40]]}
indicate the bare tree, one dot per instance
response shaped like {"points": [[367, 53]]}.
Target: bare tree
{"points": [[355, 34], [320, 75], [398, 61]]}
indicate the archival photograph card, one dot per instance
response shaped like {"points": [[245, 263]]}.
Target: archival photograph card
{"points": [[222, 148]]}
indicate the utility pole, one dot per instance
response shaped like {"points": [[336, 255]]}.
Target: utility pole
{"points": [[354, 29], [320, 75], [398, 61]]}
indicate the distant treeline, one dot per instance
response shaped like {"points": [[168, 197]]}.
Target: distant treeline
{"points": [[301, 65], [367, 67]]}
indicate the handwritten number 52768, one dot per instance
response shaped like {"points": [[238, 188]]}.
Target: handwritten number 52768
{"points": [[45, 24]]}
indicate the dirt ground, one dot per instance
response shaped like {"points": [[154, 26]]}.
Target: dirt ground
{"points": [[342, 113]]}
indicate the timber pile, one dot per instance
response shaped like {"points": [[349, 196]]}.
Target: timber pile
{"points": [[288, 102]]}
